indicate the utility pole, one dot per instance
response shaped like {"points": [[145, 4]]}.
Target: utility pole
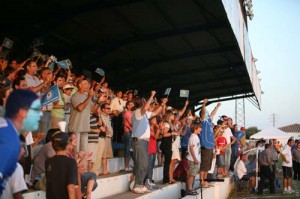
{"points": [[240, 117], [273, 119]]}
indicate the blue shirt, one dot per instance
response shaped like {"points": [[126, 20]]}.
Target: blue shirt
{"points": [[207, 134], [9, 150], [185, 138]]}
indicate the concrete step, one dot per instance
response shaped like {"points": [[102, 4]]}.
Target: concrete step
{"points": [[108, 185], [116, 185], [220, 190], [165, 191]]}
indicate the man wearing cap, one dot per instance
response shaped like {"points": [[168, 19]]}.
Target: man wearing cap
{"points": [[61, 171], [22, 113]]}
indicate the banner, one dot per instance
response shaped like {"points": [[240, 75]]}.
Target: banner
{"points": [[7, 43], [184, 93], [51, 95], [100, 71], [167, 92], [64, 64]]}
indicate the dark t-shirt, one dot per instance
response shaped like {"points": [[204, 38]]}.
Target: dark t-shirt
{"points": [[60, 172]]}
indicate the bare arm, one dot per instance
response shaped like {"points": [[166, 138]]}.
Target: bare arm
{"points": [[39, 87], [193, 154], [233, 140], [147, 104], [284, 157], [166, 132], [203, 109], [213, 113], [81, 106], [18, 195], [71, 191], [160, 108], [181, 112]]}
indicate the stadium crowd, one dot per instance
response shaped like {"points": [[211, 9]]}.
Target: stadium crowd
{"points": [[74, 137]]}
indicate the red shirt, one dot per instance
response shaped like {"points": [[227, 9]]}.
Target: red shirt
{"points": [[152, 148], [221, 142], [127, 126]]}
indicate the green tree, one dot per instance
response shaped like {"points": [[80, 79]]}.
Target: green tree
{"points": [[250, 131]]}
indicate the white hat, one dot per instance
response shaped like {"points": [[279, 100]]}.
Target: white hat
{"points": [[68, 86]]}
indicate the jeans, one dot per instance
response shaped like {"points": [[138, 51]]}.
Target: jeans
{"points": [[227, 157], [127, 141], [140, 159], [151, 163]]}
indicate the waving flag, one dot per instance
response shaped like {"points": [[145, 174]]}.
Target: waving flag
{"points": [[51, 95], [7, 43], [100, 71], [240, 135], [65, 64], [184, 93], [167, 92]]}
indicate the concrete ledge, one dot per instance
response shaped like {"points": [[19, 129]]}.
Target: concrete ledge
{"points": [[220, 190], [107, 185]]}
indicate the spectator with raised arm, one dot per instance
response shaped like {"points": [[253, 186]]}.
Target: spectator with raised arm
{"points": [[140, 139], [206, 141]]}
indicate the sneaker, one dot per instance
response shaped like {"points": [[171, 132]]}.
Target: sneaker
{"points": [[291, 190], [138, 190], [145, 189], [148, 184], [286, 191], [219, 176], [191, 192]]}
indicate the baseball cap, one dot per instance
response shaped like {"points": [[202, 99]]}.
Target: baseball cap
{"points": [[19, 99], [68, 86], [60, 140]]}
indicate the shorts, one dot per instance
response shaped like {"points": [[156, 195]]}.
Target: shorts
{"points": [[93, 147], [287, 172], [206, 159], [193, 168], [221, 161], [85, 177], [108, 153]]}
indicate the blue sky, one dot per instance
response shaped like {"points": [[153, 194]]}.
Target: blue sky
{"points": [[274, 36]]}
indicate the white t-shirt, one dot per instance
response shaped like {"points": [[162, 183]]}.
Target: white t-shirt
{"points": [[241, 169], [227, 134], [117, 104], [15, 183], [195, 142], [288, 155]]}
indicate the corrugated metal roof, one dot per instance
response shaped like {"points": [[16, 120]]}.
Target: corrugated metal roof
{"points": [[291, 128], [141, 44]]}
